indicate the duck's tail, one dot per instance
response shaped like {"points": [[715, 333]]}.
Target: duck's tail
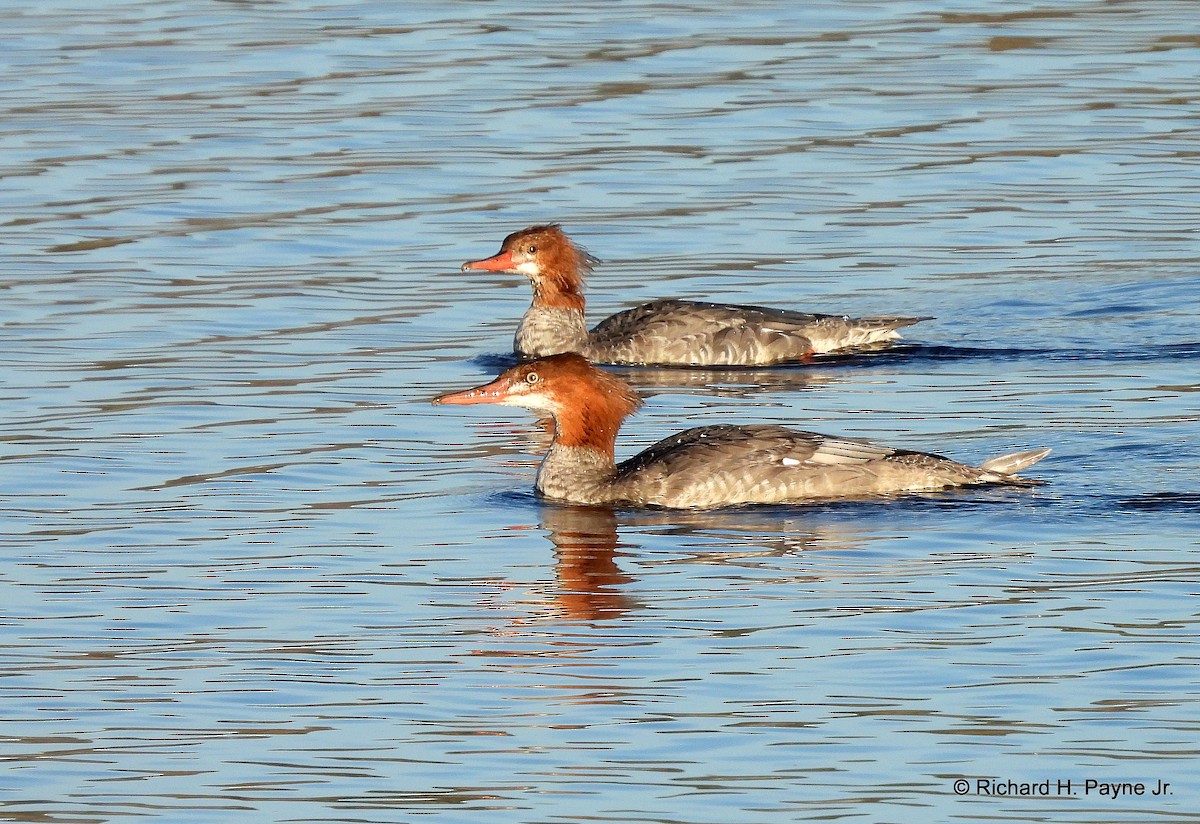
{"points": [[1005, 467], [835, 333], [893, 322]]}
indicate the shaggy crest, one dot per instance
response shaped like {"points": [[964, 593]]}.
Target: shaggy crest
{"points": [[564, 265]]}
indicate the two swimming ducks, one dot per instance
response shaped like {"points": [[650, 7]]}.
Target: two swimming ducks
{"points": [[708, 466]]}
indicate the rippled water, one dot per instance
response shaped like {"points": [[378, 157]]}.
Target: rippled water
{"points": [[250, 574]]}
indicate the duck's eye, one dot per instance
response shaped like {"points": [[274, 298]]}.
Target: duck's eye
{"points": [[532, 377], [532, 250]]}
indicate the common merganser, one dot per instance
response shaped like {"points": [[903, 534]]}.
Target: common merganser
{"points": [[664, 332], [709, 466]]}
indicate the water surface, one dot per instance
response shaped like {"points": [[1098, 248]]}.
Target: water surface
{"points": [[249, 573]]}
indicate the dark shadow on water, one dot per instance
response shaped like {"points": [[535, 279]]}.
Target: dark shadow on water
{"points": [[917, 355], [495, 361], [521, 500], [1164, 502]]}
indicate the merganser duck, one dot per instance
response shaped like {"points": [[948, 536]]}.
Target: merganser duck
{"points": [[664, 332], [710, 466]]}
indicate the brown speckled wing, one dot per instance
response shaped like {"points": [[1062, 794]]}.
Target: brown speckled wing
{"points": [[695, 333], [676, 332], [715, 465]]}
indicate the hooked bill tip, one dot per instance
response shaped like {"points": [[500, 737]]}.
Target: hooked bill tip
{"points": [[499, 262], [469, 397], [450, 398]]}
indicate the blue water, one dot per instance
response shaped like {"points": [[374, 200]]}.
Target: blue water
{"points": [[249, 573]]}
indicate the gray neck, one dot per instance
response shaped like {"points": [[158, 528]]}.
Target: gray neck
{"points": [[547, 330], [578, 474]]}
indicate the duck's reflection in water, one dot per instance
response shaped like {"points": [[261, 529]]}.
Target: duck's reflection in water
{"points": [[590, 584], [586, 547]]}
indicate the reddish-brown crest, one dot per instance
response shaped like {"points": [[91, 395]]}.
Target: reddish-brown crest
{"points": [[563, 265]]}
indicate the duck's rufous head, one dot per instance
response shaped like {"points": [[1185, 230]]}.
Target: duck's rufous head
{"points": [[588, 404], [553, 263]]}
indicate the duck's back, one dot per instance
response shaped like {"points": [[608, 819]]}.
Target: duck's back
{"points": [[697, 333], [714, 466]]}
